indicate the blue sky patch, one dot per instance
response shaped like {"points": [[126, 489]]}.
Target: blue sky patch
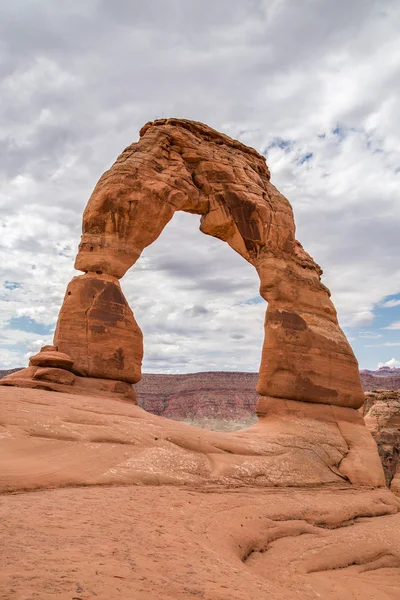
{"points": [[255, 300], [285, 145], [12, 285], [305, 158], [376, 343], [30, 325]]}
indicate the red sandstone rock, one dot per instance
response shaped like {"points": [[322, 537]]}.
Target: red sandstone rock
{"points": [[183, 165], [98, 330], [51, 358], [60, 376], [382, 417], [60, 380], [266, 512], [295, 444]]}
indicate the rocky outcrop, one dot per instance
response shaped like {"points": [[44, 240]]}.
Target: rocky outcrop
{"points": [[52, 370], [52, 440], [382, 417], [97, 328], [308, 379], [183, 165], [140, 506]]}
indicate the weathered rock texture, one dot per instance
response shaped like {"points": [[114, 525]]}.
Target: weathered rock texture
{"points": [[288, 508], [116, 502], [49, 439], [382, 417], [183, 165], [309, 385], [98, 330]]}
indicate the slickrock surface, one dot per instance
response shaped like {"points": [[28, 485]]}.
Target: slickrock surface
{"points": [[382, 417], [51, 439], [168, 543], [199, 513]]}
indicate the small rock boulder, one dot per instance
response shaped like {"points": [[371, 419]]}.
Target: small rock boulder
{"points": [[51, 358]]}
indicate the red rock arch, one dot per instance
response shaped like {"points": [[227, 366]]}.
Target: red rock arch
{"points": [[184, 165]]}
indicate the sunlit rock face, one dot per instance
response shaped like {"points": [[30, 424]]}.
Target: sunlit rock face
{"points": [[184, 165], [308, 384]]}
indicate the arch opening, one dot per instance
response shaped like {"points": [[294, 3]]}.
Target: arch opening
{"points": [[197, 303]]}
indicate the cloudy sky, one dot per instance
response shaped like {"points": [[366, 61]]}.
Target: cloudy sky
{"points": [[314, 85]]}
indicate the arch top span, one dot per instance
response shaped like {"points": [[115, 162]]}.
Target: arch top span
{"points": [[184, 165]]}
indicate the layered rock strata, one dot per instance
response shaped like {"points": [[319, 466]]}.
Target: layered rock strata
{"points": [[52, 370], [382, 417]]}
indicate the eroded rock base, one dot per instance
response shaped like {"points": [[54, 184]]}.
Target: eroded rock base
{"points": [[52, 371], [55, 440]]}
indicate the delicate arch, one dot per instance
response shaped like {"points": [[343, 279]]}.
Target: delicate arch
{"points": [[184, 165]]}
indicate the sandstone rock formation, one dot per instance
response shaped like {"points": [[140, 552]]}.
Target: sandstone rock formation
{"points": [[116, 502], [183, 165], [382, 417], [231, 526]]}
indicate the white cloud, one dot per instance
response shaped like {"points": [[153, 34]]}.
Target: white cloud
{"points": [[391, 303], [393, 362], [393, 326], [369, 335]]}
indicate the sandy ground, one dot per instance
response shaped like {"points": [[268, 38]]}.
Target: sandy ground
{"points": [[190, 521], [166, 542]]}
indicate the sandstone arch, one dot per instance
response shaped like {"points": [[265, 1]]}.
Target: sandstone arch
{"points": [[185, 165]]}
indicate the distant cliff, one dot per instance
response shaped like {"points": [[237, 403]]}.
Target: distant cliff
{"points": [[385, 378], [217, 395], [221, 394]]}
